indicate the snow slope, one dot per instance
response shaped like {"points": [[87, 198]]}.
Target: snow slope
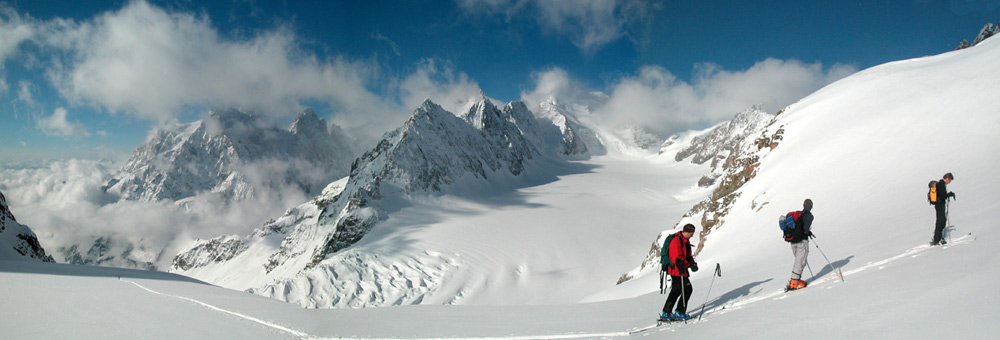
{"points": [[862, 148]]}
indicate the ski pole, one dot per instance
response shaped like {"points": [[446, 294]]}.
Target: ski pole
{"points": [[947, 218], [663, 289], [684, 294], [828, 261], [718, 272], [810, 268]]}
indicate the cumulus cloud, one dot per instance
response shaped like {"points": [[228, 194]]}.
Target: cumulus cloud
{"points": [[154, 64], [440, 83], [557, 84], [15, 30], [657, 100], [589, 24], [57, 125], [145, 61]]}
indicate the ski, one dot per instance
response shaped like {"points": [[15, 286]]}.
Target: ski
{"points": [[792, 290]]}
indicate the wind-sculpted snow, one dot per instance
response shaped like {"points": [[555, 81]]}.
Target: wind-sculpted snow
{"points": [[356, 279]]}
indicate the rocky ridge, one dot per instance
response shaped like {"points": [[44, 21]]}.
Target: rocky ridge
{"points": [[17, 241]]}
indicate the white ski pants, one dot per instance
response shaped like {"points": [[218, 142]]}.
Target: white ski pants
{"points": [[801, 251]]}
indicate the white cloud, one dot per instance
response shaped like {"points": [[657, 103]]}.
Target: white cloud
{"points": [[392, 44], [439, 83], [144, 61], [589, 24], [24, 92], [57, 125], [657, 100], [14, 30], [556, 83], [150, 63]]}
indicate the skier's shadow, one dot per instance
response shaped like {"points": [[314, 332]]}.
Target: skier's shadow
{"points": [[828, 268], [734, 294]]}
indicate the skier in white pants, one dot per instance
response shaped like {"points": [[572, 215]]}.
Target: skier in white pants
{"points": [[800, 245]]}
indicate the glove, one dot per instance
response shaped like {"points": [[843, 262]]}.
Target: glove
{"points": [[952, 195], [811, 235], [694, 266]]}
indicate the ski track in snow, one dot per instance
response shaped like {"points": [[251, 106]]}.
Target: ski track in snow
{"points": [[242, 316], [964, 239], [832, 276], [781, 294]]}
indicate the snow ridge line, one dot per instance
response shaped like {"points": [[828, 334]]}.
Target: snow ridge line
{"points": [[242, 316]]}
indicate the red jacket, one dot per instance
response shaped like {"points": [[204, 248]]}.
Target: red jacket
{"points": [[680, 255]]}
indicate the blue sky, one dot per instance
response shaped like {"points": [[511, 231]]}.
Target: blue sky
{"points": [[89, 79]]}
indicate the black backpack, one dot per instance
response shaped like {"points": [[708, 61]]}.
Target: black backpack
{"points": [[789, 227]]}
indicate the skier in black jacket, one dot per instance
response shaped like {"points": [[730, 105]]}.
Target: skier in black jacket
{"points": [[941, 208], [800, 245]]}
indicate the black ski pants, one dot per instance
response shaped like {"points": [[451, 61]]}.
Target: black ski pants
{"points": [[679, 285], [939, 224]]}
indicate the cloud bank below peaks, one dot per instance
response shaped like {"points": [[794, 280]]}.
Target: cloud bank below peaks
{"points": [[658, 101]]}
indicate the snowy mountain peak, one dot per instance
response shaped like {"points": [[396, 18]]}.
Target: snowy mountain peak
{"points": [[308, 123], [17, 241], [230, 157], [725, 136], [4, 211], [231, 152], [576, 139]]}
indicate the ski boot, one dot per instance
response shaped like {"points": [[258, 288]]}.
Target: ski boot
{"points": [[794, 284]]}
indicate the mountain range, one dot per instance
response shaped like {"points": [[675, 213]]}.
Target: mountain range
{"points": [[234, 153]]}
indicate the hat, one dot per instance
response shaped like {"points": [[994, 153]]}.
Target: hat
{"points": [[688, 228], [808, 204]]}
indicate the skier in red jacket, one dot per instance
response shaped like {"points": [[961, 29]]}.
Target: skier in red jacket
{"points": [[675, 259]]}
